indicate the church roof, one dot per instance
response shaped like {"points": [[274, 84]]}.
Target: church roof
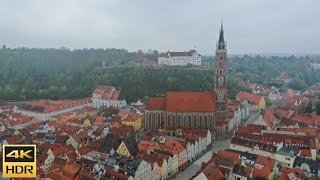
{"points": [[184, 102], [190, 102]]}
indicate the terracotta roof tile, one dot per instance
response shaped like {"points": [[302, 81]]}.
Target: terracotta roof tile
{"points": [[156, 104], [251, 98], [190, 102]]}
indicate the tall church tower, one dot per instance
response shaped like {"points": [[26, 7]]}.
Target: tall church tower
{"points": [[220, 85]]}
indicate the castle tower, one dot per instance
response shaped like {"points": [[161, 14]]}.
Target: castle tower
{"points": [[220, 85]]}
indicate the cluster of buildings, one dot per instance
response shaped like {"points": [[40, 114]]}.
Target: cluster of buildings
{"points": [[257, 152], [105, 138], [192, 110], [180, 58], [80, 144]]}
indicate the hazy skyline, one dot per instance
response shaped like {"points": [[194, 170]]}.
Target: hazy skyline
{"points": [[251, 26]]}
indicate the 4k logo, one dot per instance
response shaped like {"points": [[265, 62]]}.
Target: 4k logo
{"points": [[19, 161], [23, 154]]}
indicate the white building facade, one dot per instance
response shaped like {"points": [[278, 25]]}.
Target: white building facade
{"points": [[180, 58], [107, 96], [52, 108]]}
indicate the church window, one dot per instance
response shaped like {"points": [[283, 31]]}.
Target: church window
{"points": [[189, 121], [220, 58], [205, 121]]}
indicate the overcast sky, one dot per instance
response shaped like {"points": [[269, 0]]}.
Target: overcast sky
{"points": [[251, 26]]}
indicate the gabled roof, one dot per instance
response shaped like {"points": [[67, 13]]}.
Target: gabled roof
{"points": [[251, 98], [241, 170], [71, 168], [233, 155], [189, 53], [107, 92], [269, 118], [110, 142], [265, 161], [131, 144], [190, 102]]}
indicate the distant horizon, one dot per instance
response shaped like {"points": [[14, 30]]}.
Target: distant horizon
{"points": [[281, 54]]}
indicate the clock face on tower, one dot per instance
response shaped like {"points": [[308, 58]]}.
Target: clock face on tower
{"points": [[220, 79]]}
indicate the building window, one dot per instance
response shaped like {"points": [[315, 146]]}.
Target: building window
{"points": [[201, 124], [189, 121], [206, 121], [174, 121]]}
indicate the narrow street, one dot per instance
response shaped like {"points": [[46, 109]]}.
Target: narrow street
{"points": [[252, 117], [195, 167]]}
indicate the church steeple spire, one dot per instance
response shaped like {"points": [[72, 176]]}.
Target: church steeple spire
{"points": [[221, 43]]}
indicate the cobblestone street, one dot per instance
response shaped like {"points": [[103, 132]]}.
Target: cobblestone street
{"points": [[195, 167]]}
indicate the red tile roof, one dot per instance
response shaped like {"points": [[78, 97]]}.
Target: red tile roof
{"points": [[263, 173], [296, 171], [251, 98], [283, 177], [305, 153], [265, 161], [107, 92], [190, 102], [269, 118], [233, 155], [46, 106], [156, 104], [115, 175], [71, 168], [310, 119]]}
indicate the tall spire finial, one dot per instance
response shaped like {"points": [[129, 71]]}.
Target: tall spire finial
{"points": [[221, 43], [222, 23]]}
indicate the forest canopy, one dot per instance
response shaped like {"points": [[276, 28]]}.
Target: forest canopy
{"points": [[70, 74]]}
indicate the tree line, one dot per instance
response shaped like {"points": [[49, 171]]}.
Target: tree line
{"points": [[70, 74]]}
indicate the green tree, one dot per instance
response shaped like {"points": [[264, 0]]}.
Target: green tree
{"points": [[317, 108], [107, 112], [298, 84], [309, 108]]}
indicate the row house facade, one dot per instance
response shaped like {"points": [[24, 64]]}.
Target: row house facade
{"points": [[45, 109]]}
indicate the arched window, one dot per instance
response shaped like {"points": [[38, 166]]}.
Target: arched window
{"points": [[201, 124], [168, 120], [178, 121], [174, 121], [195, 121], [206, 121], [184, 121], [189, 124]]}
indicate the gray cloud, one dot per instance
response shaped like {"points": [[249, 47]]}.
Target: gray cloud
{"points": [[251, 26]]}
